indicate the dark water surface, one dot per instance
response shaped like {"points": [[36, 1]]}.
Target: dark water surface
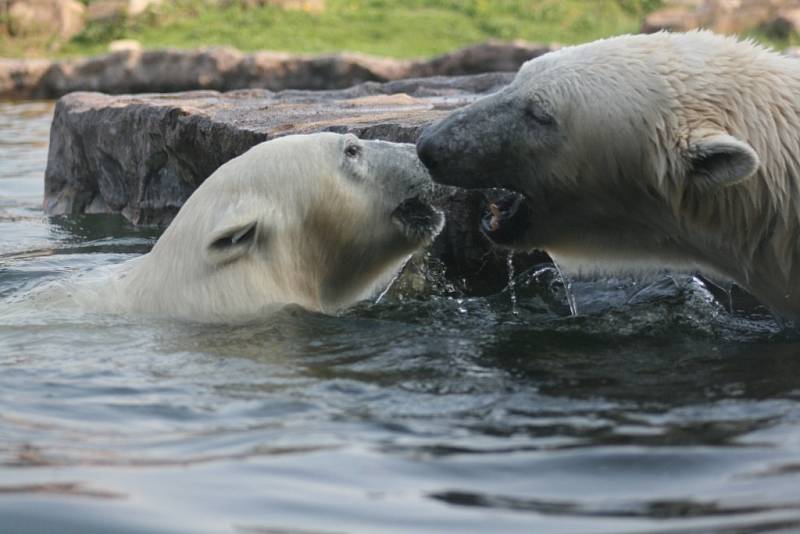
{"points": [[655, 410]]}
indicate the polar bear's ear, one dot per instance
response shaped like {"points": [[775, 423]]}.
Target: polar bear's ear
{"points": [[231, 240], [719, 160]]}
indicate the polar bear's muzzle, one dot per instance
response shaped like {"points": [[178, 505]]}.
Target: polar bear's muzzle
{"points": [[418, 220]]}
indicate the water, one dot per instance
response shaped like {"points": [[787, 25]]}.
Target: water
{"points": [[655, 410]]}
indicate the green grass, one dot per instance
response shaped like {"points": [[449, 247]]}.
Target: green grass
{"points": [[401, 28], [775, 41]]}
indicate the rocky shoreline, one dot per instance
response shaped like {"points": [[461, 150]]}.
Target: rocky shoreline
{"points": [[227, 69], [143, 155]]}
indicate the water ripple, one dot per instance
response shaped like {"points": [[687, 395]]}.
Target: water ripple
{"points": [[655, 409]]}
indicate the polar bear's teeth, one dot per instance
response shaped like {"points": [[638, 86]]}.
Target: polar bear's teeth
{"points": [[494, 223], [505, 215]]}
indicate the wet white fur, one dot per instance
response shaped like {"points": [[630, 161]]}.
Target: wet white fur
{"points": [[635, 112]]}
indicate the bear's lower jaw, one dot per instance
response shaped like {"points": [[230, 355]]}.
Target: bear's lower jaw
{"points": [[418, 221], [506, 217]]}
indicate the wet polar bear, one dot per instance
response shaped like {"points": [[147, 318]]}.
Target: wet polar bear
{"points": [[663, 151], [321, 220]]}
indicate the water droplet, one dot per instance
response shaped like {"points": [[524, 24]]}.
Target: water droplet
{"points": [[573, 306], [512, 289]]}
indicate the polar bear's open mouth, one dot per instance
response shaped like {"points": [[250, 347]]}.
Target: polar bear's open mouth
{"points": [[505, 218], [418, 220]]}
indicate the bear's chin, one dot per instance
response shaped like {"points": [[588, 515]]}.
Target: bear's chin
{"points": [[418, 221], [506, 217]]}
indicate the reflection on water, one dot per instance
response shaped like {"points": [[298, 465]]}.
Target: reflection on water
{"points": [[655, 409], [24, 132]]}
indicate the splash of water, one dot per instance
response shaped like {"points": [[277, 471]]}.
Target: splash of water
{"points": [[565, 280], [393, 280], [723, 285], [512, 285]]}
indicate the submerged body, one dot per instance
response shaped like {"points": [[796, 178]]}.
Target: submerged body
{"points": [[663, 151], [320, 220]]}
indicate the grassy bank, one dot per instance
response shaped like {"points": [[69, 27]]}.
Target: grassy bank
{"points": [[405, 28]]}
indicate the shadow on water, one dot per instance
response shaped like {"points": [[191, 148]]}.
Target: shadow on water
{"points": [[118, 231]]}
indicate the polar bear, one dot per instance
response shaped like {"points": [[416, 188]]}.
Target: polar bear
{"points": [[320, 220], [664, 151]]}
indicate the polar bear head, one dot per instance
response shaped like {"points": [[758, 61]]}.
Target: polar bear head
{"points": [[641, 152], [321, 220]]}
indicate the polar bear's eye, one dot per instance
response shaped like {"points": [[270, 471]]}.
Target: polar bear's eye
{"points": [[352, 151]]}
